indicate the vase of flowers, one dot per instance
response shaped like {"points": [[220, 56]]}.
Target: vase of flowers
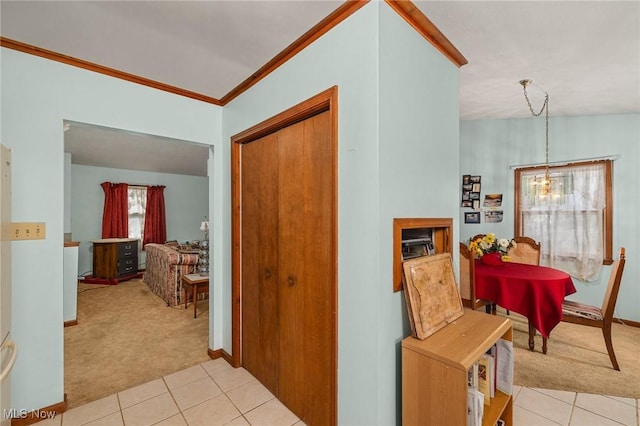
{"points": [[491, 250]]}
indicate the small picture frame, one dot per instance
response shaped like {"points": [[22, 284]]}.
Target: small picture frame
{"points": [[472, 217]]}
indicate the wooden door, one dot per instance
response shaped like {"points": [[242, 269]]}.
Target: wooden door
{"points": [[259, 260], [307, 269], [284, 263]]}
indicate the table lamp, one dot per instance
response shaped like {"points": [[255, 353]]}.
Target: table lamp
{"points": [[203, 254]]}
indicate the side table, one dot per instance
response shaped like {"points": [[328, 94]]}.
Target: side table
{"points": [[194, 284]]}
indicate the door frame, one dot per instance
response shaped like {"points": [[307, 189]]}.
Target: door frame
{"points": [[324, 101]]}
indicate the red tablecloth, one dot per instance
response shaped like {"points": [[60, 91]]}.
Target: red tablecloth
{"points": [[537, 292]]}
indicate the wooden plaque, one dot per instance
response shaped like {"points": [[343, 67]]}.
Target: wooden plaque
{"points": [[432, 296]]}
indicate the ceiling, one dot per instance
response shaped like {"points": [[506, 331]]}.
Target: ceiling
{"points": [[585, 54]]}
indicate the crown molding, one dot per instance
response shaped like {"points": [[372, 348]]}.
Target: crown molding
{"points": [[406, 9], [340, 14], [70, 60], [414, 17]]}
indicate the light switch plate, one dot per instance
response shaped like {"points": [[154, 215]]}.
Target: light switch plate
{"points": [[28, 231]]}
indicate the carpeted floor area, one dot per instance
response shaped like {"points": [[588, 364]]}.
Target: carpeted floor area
{"points": [[127, 336], [577, 359]]}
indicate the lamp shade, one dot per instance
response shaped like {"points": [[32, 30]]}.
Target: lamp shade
{"points": [[204, 226]]}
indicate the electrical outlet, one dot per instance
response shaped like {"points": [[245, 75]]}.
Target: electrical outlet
{"points": [[28, 231]]}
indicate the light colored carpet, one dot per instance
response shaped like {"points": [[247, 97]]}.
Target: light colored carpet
{"points": [[577, 359], [127, 336]]}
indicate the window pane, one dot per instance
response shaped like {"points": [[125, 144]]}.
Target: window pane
{"points": [[137, 206], [568, 215]]}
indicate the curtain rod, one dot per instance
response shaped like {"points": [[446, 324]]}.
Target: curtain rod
{"points": [[566, 162]]}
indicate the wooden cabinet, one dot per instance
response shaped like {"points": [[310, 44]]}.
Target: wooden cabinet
{"points": [[115, 257], [434, 372]]}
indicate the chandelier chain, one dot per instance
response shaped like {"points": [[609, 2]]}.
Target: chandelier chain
{"points": [[545, 109], [544, 105]]}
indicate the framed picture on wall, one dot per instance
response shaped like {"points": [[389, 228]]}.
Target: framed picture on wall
{"points": [[472, 217]]}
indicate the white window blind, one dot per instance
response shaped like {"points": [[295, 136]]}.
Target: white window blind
{"points": [[137, 196], [567, 217]]}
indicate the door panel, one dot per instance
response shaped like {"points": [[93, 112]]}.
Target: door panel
{"points": [[292, 256], [259, 261], [307, 361]]}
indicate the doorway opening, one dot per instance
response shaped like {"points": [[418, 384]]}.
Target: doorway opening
{"points": [[102, 355]]}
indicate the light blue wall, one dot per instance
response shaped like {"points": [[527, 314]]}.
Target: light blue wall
{"points": [[380, 128], [418, 170], [490, 147], [391, 84], [186, 204], [347, 57], [67, 193], [37, 96]]}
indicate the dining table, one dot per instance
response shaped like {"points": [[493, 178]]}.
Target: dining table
{"points": [[535, 291]]}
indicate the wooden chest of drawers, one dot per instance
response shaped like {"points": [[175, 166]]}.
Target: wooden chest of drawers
{"points": [[115, 257]]}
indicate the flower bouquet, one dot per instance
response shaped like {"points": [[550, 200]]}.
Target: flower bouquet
{"points": [[491, 250]]}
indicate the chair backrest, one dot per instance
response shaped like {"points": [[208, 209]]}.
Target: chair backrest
{"points": [[467, 276], [527, 250], [611, 296]]}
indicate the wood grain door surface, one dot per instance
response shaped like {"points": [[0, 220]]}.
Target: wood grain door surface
{"points": [[288, 266], [260, 260]]}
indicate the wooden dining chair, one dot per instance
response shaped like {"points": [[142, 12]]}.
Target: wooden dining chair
{"points": [[601, 317], [468, 281], [526, 250]]}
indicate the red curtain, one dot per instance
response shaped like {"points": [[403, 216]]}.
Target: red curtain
{"points": [[115, 216], [155, 225]]}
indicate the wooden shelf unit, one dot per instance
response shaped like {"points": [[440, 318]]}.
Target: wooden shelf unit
{"points": [[434, 372], [440, 229]]}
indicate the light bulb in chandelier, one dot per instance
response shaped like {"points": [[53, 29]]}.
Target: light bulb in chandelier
{"points": [[546, 185]]}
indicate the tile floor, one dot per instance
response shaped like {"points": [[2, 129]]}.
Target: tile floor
{"points": [[214, 393]]}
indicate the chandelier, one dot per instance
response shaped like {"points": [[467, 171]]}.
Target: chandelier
{"points": [[546, 184]]}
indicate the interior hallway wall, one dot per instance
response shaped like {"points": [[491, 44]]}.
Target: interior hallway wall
{"points": [[37, 96]]}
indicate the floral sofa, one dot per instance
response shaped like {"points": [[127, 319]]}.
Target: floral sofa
{"points": [[165, 267]]}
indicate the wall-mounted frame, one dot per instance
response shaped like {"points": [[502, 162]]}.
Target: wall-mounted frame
{"points": [[471, 187], [472, 217], [440, 231]]}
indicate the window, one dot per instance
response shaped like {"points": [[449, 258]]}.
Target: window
{"points": [[137, 197], [570, 215]]}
